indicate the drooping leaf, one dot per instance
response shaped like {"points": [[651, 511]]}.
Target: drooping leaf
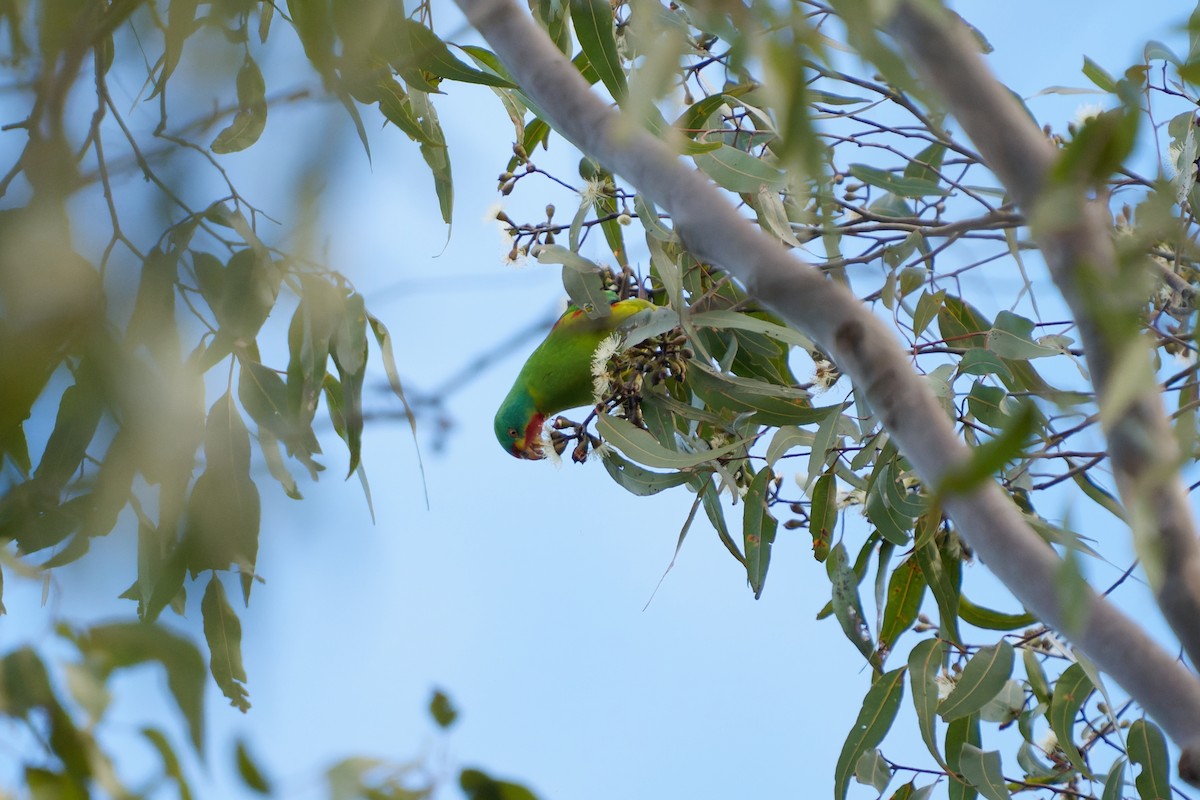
{"points": [[905, 593], [128, 644], [223, 631], [738, 171], [252, 777], [924, 662], [593, 23], [874, 720], [847, 606], [1070, 692], [224, 508], [1114, 783], [638, 480], [983, 770], [873, 770], [419, 48], [251, 118], [170, 761], [442, 709], [640, 446], [823, 513], [943, 575], [960, 733], [1148, 749], [983, 677], [899, 185], [758, 530]]}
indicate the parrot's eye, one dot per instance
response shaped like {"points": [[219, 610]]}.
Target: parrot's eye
{"points": [[512, 433]]}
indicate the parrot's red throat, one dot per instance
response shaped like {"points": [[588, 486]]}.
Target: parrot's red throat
{"points": [[533, 439]]}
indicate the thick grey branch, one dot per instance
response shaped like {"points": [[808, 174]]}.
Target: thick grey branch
{"points": [[860, 343], [1079, 250]]}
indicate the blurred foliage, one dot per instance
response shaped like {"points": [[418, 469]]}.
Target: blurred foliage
{"points": [[133, 391], [148, 414]]}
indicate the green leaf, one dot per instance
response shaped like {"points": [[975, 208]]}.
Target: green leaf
{"points": [[846, 604], [694, 119], [397, 109], [924, 662], [1148, 749], [736, 320], [242, 293], [1006, 706], [960, 324], [1098, 75], [129, 644], [593, 23], [170, 761], [442, 709], [251, 118], [925, 164], [874, 720], [831, 99], [252, 776], [478, 785], [888, 517], [905, 593], [909, 791], [1036, 675], [873, 770], [768, 403], [419, 48], [384, 339], [984, 362], [991, 620], [901, 186], [313, 24], [580, 277], [1114, 783], [644, 449], [943, 574], [351, 387], [738, 171], [223, 632], [758, 531], [983, 770], [153, 319], [960, 733], [224, 509], [79, 412], [265, 398], [823, 513], [928, 306], [1098, 149], [981, 680], [435, 153], [710, 498], [1070, 692], [181, 16], [826, 440], [987, 459], [637, 480], [1011, 336]]}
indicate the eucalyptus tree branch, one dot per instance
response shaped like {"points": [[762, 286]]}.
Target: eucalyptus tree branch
{"points": [[1079, 250], [860, 344]]}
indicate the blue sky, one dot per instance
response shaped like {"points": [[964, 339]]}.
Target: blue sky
{"points": [[523, 589]]}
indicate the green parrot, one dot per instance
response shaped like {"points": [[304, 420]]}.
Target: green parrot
{"points": [[558, 375]]}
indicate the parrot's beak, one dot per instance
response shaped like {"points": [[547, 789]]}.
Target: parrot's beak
{"points": [[531, 451], [529, 446]]}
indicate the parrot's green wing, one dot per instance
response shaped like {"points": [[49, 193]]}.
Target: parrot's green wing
{"points": [[557, 375]]}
